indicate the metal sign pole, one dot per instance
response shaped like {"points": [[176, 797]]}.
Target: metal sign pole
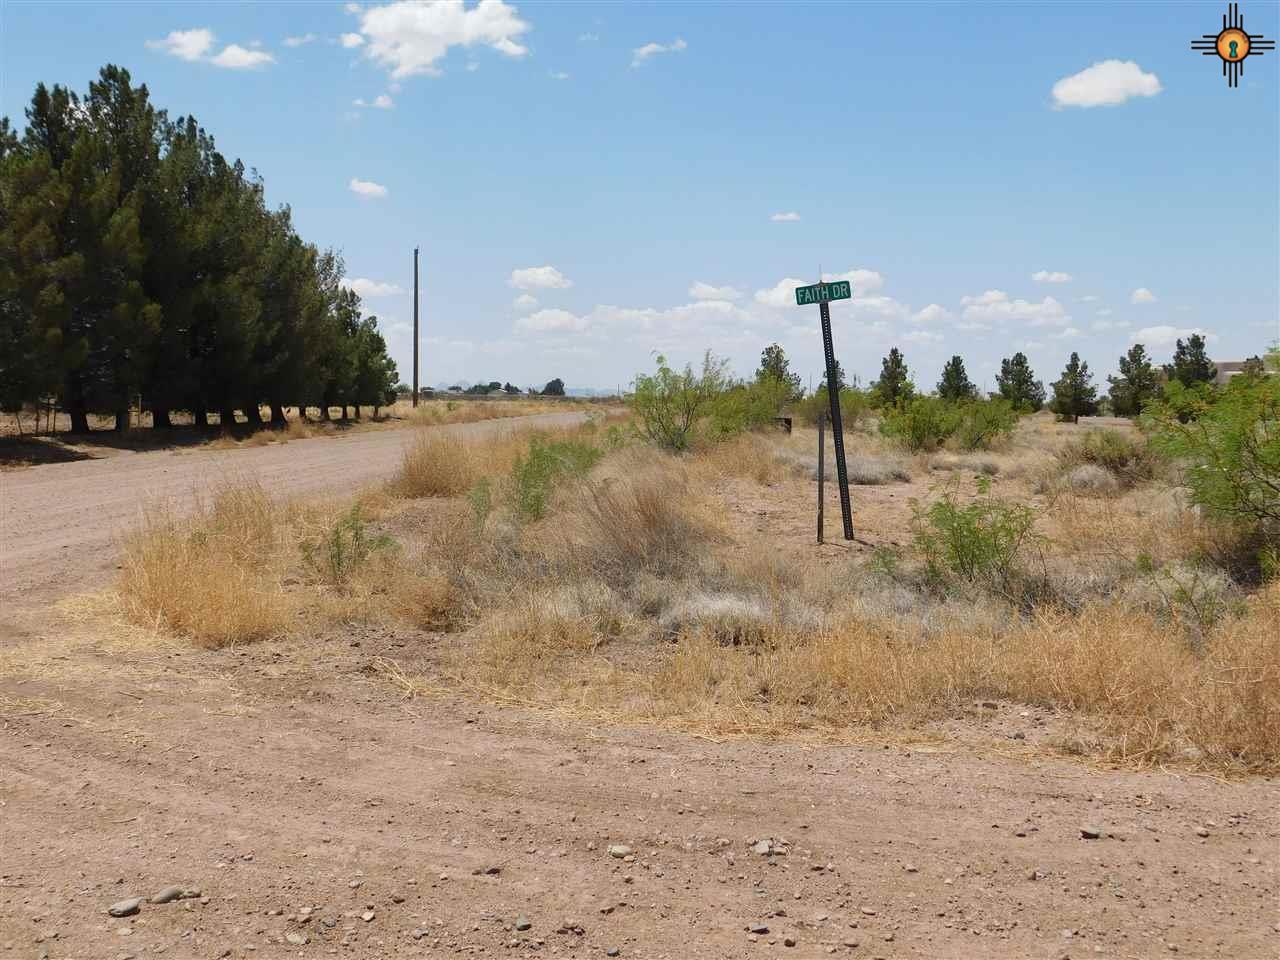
{"points": [[415, 326], [822, 469], [837, 424]]}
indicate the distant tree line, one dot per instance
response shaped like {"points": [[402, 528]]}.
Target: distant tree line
{"points": [[136, 261], [1138, 383]]}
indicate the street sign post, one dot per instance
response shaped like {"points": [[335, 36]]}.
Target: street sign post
{"points": [[822, 294]]}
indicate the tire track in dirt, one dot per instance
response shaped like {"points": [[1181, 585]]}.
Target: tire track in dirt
{"points": [[59, 522]]}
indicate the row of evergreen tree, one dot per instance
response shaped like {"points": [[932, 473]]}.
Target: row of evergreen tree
{"points": [[1138, 382], [137, 262]]}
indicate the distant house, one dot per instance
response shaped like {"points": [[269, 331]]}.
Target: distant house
{"points": [[1228, 369]]}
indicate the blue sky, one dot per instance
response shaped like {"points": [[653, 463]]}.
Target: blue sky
{"points": [[593, 183]]}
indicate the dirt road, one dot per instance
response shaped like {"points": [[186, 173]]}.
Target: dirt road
{"points": [[59, 522], [319, 814]]}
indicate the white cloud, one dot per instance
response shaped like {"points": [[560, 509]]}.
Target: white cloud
{"points": [[472, 67], [705, 291], [558, 75], [189, 45], [1105, 312], [1104, 324], [1089, 299], [995, 305], [1066, 334], [351, 40], [1165, 335], [409, 38], [194, 46], [1051, 276], [640, 54], [301, 41], [366, 288], [588, 37], [236, 57], [933, 313], [862, 282], [1142, 295], [539, 278], [923, 337], [525, 301], [789, 217], [552, 320], [1105, 84], [366, 188], [353, 8], [382, 102]]}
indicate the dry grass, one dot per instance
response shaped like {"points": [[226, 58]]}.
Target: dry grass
{"points": [[436, 465], [209, 576], [632, 601]]}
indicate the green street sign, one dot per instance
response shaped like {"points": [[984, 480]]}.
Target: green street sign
{"points": [[822, 292]]}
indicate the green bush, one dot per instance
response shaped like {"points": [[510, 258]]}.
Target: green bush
{"points": [[1123, 455], [855, 404], [1230, 451], [668, 404], [534, 476], [979, 542], [984, 423], [922, 424], [343, 548], [745, 406]]}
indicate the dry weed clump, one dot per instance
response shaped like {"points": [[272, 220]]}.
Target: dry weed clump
{"points": [[436, 464], [640, 516], [210, 576]]}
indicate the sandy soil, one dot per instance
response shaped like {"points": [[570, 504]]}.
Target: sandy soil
{"points": [[59, 521], [319, 814], [299, 794]]}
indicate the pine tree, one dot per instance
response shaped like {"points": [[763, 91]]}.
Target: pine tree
{"points": [[1137, 384], [955, 383], [1191, 364], [1016, 383], [775, 365], [1073, 395], [893, 386]]}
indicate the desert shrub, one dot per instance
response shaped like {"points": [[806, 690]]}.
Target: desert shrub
{"points": [[1089, 478], [1197, 596], [435, 464], [922, 424], [871, 471], [1230, 452], [1124, 456], [668, 404], [746, 406], [979, 542], [647, 519], [855, 405], [343, 548], [534, 475], [984, 423]]}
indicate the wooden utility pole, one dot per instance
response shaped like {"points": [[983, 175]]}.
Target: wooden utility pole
{"points": [[415, 326]]}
